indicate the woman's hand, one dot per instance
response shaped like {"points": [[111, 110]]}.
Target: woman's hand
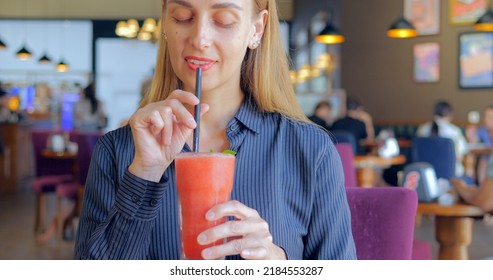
{"points": [[159, 131], [247, 235]]}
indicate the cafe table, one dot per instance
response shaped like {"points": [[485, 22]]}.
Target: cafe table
{"points": [[453, 227], [367, 167]]}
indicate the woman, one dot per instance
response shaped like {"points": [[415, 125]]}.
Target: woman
{"points": [[89, 113], [288, 197], [442, 126]]}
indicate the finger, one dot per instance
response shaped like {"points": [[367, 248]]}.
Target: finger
{"points": [[167, 132], [181, 113], [231, 208], [233, 229], [234, 247], [184, 97], [151, 120]]}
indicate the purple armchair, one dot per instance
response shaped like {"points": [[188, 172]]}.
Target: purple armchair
{"points": [[49, 173], [347, 155], [71, 190], [382, 221]]}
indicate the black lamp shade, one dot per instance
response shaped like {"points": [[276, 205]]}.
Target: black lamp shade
{"points": [[402, 29], [62, 66], [2, 45], [23, 53], [485, 22], [330, 35], [44, 59]]}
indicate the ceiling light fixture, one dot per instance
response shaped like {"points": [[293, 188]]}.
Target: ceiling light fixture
{"points": [[44, 59], [130, 29], [402, 29], [485, 22], [330, 34], [2, 45], [23, 53], [62, 66]]}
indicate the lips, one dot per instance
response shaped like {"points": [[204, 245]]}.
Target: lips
{"points": [[194, 62]]}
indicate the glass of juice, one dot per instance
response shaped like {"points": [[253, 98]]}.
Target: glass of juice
{"points": [[203, 180]]}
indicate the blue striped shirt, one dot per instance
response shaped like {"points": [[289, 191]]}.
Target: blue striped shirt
{"points": [[289, 171]]}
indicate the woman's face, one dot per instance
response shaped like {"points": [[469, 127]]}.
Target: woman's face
{"points": [[213, 35]]}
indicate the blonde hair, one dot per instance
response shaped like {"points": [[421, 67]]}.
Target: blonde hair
{"points": [[264, 75]]}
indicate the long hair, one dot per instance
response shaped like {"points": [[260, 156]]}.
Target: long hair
{"points": [[442, 109], [264, 71], [90, 94]]}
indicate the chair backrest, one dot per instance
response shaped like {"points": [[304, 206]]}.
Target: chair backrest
{"points": [[86, 142], [347, 157], [437, 151], [340, 136], [382, 221], [47, 166]]}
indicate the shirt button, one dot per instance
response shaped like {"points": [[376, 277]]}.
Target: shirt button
{"points": [[154, 202], [135, 198], [165, 179]]}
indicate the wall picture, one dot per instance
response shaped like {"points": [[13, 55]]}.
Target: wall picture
{"points": [[464, 12], [476, 60], [424, 15], [427, 62]]}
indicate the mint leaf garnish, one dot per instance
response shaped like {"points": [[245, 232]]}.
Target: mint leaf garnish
{"points": [[230, 152]]}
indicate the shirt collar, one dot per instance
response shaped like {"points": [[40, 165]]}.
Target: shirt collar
{"points": [[249, 115]]}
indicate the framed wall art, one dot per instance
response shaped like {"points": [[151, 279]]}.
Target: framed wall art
{"points": [[427, 62], [476, 60], [424, 15], [463, 12]]}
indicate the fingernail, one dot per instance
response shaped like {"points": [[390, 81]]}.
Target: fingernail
{"points": [[201, 238], [207, 253], [246, 253], [210, 216], [191, 122]]}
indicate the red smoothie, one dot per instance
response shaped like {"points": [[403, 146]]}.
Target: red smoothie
{"points": [[203, 180]]}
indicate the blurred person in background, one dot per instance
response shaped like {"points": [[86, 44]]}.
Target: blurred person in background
{"points": [[358, 122], [484, 135], [89, 111], [442, 126], [322, 115]]}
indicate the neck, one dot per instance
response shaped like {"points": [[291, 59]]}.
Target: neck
{"points": [[223, 107]]}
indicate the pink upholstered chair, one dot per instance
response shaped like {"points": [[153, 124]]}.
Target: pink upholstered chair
{"points": [[347, 154], [382, 221], [71, 190], [49, 173]]}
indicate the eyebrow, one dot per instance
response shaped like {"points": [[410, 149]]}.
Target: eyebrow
{"points": [[215, 6]]}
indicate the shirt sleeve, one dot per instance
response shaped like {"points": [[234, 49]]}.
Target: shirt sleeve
{"points": [[330, 236], [118, 215]]}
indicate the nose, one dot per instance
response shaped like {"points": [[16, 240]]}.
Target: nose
{"points": [[202, 37]]}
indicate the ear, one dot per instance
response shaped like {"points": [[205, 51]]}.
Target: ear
{"points": [[258, 29]]}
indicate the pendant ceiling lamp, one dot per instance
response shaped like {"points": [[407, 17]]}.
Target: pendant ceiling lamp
{"points": [[485, 22], [62, 66], [330, 34], [44, 59], [23, 53], [402, 29], [2, 45]]}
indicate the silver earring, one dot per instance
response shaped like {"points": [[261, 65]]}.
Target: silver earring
{"points": [[255, 45], [164, 36]]}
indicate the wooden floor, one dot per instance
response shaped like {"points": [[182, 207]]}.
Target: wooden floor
{"points": [[17, 239]]}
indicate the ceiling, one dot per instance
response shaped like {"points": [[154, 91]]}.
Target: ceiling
{"points": [[98, 9]]}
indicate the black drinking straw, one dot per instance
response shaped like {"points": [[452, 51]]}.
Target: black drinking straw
{"points": [[198, 93]]}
